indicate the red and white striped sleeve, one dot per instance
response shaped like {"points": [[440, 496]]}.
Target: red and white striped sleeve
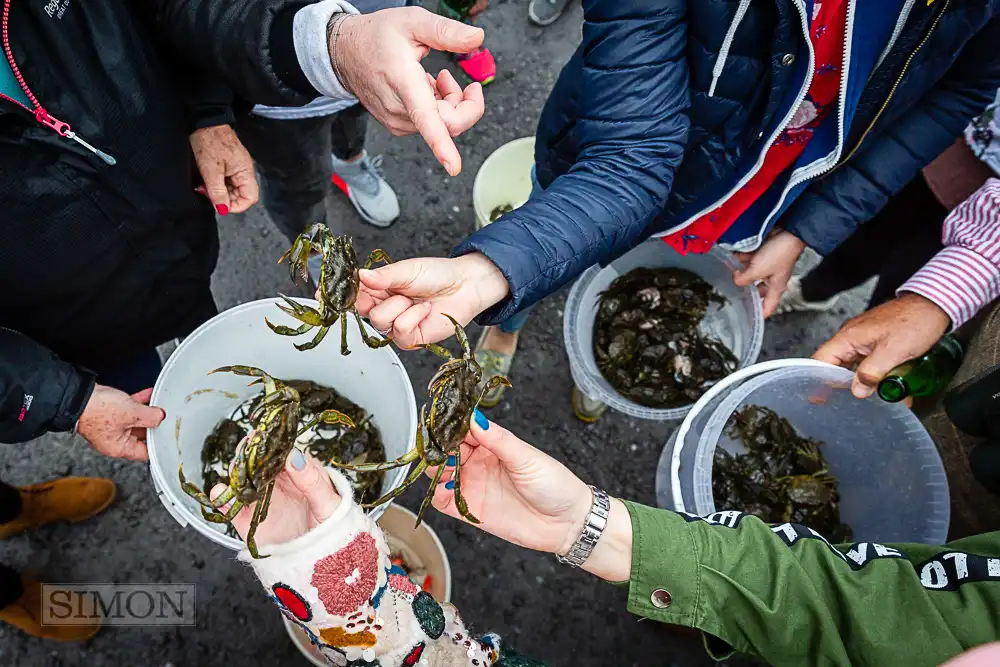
{"points": [[965, 276]]}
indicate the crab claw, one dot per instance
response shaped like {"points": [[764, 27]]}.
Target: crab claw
{"points": [[303, 314], [298, 256]]}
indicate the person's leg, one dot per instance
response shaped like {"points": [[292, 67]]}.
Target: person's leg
{"points": [[906, 258], [358, 175], [10, 509], [10, 586], [292, 160]]}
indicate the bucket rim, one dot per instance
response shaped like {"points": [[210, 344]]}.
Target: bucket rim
{"points": [[179, 510]]}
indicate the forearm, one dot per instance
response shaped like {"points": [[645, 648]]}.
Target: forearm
{"points": [[39, 392], [965, 276], [784, 594]]}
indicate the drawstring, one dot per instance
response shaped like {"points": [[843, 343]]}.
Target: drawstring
{"points": [[727, 44]]}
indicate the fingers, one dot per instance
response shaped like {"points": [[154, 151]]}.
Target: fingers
{"points": [[142, 414], [772, 296], [513, 452], [245, 191], [364, 302], [875, 367], [422, 109], [748, 276], [406, 329], [444, 34], [447, 87], [313, 481], [459, 118], [134, 447], [397, 277], [384, 315]]}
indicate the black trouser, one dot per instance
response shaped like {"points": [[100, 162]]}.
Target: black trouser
{"points": [[10, 580], [293, 163], [131, 376], [893, 245]]}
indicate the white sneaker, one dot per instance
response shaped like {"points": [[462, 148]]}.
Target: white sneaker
{"points": [[792, 300], [363, 183]]}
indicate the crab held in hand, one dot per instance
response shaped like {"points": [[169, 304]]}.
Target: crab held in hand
{"points": [[454, 397], [262, 453], [337, 290]]}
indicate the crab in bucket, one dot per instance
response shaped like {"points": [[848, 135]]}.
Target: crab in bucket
{"points": [[454, 397], [261, 455], [337, 287]]}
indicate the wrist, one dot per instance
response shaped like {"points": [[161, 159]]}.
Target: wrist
{"points": [[577, 519], [490, 283], [611, 559]]}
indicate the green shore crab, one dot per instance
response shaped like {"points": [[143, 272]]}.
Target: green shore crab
{"points": [[262, 453], [454, 398], [337, 290]]}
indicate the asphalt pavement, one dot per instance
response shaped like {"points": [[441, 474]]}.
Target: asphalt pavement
{"points": [[550, 612]]}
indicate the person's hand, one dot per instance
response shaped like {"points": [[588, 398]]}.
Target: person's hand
{"points": [[413, 296], [885, 337], [478, 8], [226, 169], [303, 498], [378, 61], [772, 265], [115, 423], [524, 496]]}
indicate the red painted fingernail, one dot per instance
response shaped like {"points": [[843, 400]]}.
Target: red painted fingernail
{"points": [[222, 209]]}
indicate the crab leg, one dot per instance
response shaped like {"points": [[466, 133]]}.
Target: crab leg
{"points": [[491, 384], [282, 330], [438, 350], [300, 312], [404, 460], [370, 341], [460, 504], [377, 255], [343, 337], [265, 504], [398, 491], [330, 417], [251, 542], [315, 341], [219, 517], [298, 256], [463, 340], [430, 495]]}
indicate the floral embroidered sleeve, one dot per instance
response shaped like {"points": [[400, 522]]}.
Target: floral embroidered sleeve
{"points": [[337, 583]]}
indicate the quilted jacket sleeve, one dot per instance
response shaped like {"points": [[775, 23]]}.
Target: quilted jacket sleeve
{"points": [[831, 209], [631, 129], [247, 45]]}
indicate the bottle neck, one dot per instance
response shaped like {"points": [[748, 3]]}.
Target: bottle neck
{"points": [[893, 389]]}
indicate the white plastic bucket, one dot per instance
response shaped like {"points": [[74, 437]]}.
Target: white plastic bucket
{"points": [[420, 547], [739, 324], [195, 401], [504, 178], [892, 483]]}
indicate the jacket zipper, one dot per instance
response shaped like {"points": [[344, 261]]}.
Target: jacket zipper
{"points": [[800, 7], [899, 79], [826, 164], [41, 115]]}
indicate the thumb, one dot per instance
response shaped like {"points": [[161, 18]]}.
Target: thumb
{"points": [[444, 34], [314, 482], [513, 452], [748, 276], [874, 368], [213, 173]]}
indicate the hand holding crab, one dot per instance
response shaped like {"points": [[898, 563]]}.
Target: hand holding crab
{"points": [[337, 289]]}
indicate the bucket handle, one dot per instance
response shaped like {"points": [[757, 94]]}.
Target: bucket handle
{"points": [[708, 397], [168, 504]]}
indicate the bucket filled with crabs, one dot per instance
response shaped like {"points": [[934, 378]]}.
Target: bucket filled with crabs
{"points": [[258, 380], [654, 330]]}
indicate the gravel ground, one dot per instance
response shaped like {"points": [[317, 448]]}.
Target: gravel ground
{"points": [[553, 613]]}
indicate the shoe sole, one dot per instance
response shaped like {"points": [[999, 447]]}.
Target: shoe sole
{"points": [[343, 187], [539, 22], [585, 417]]}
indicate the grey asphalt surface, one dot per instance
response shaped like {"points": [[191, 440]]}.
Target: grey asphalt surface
{"points": [[562, 616]]}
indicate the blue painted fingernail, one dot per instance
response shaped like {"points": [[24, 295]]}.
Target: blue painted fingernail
{"points": [[451, 461], [298, 461], [481, 420], [449, 485]]}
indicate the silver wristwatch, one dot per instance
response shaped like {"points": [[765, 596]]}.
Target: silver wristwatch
{"points": [[597, 520]]}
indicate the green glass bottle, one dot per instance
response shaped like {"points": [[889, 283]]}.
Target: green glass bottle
{"points": [[455, 9], [926, 375]]}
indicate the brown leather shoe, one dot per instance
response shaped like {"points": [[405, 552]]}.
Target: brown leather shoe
{"points": [[25, 613], [66, 499]]}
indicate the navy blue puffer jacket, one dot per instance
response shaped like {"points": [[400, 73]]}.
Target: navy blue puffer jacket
{"points": [[668, 104]]}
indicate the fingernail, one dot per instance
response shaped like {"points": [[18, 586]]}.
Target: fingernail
{"points": [[449, 485], [451, 461], [481, 420], [222, 209], [298, 461]]}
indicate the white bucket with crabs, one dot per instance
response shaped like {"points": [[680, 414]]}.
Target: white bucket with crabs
{"points": [[738, 324], [195, 401]]}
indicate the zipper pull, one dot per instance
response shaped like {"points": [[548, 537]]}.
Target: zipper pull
{"points": [[64, 130]]}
